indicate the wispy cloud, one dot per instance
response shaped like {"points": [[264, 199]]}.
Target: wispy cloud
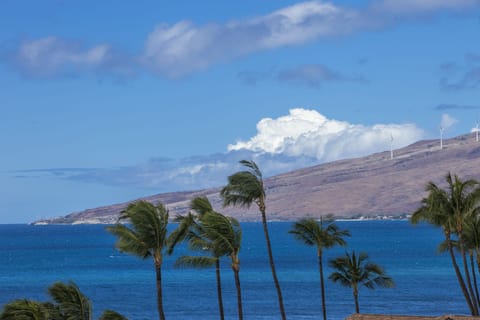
{"points": [[52, 56], [447, 121], [314, 75], [176, 50], [416, 8], [453, 106], [252, 78], [300, 139], [308, 75], [461, 76]]}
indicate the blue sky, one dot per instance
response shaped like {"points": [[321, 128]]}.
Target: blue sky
{"points": [[108, 101]]}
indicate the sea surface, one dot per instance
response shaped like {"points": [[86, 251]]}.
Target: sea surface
{"points": [[34, 257]]}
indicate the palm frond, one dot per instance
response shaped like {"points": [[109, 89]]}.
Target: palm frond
{"points": [[25, 310], [244, 187], [182, 233], [73, 304], [341, 278], [352, 270], [147, 235], [306, 230], [223, 232], [323, 234], [195, 262], [111, 315], [128, 241], [201, 205]]}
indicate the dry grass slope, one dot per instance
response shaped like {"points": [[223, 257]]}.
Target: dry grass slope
{"points": [[370, 186]]}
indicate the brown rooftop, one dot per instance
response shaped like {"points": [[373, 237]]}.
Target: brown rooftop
{"points": [[399, 317]]}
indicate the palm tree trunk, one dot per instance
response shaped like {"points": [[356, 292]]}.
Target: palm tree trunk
{"points": [[457, 271], [467, 276], [477, 256], [472, 266], [219, 289], [355, 297], [322, 284], [272, 263], [239, 292], [158, 270]]}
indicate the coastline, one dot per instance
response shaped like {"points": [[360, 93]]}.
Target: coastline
{"points": [[402, 217]]}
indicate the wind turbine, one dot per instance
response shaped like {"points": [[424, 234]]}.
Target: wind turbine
{"points": [[391, 145], [442, 129]]}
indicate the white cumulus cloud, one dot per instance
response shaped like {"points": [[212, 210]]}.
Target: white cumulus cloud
{"points": [[300, 139], [307, 133]]}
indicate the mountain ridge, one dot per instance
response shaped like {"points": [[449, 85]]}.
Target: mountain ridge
{"points": [[370, 186]]}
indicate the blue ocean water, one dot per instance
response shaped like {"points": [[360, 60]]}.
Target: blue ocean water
{"points": [[33, 257]]}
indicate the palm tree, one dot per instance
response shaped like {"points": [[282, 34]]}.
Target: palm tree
{"points": [[69, 304], [450, 209], [111, 315], [72, 303], [147, 237], [225, 235], [471, 235], [27, 310], [355, 272], [322, 234], [190, 229], [464, 197], [243, 189]]}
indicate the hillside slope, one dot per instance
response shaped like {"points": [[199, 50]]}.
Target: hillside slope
{"points": [[370, 186]]}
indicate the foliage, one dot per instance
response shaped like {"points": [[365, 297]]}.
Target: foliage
{"points": [[355, 272], [243, 189], [69, 304], [145, 237], [455, 209], [321, 234]]}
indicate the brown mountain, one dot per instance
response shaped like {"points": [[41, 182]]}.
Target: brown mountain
{"points": [[371, 186]]}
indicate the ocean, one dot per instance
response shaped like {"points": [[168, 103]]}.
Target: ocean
{"points": [[34, 257]]}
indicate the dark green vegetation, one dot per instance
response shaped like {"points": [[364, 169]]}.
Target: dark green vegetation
{"points": [[456, 209], [147, 237], [243, 189], [321, 234], [214, 235], [190, 229], [69, 303], [213, 238], [354, 272]]}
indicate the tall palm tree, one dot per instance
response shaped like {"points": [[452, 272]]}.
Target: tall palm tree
{"points": [[321, 234], [450, 208], [190, 229], [355, 272], [226, 235], [243, 189], [464, 198], [147, 237]]}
